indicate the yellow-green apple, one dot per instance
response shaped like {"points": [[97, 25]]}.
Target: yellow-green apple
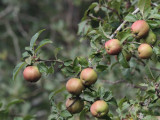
{"points": [[145, 51], [31, 74], [99, 108], [140, 29], [74, 105], [88, 76], [74, 86], [151, 38], [113, 47]]}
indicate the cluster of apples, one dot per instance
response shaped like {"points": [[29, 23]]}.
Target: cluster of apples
{"points": [[75, 86], [143, 34]]}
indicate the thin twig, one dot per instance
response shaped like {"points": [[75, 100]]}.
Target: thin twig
{"points": [[134, 43], [116, 82], [141, 61], [156, 69], [40, 60], [124, 81], [6, 11], [115, 11], [15, 40], [19, 25]]}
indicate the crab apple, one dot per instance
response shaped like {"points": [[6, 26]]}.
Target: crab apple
{"points": [[88, 76], [74, 105], [113, 47], [74, 86], [140, 29], [31, 74], [151, 38], [99, 108], [145, 51]]}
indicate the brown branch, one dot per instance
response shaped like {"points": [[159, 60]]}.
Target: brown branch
{"points": [[124, 81], [59, 61], [116, 82]]}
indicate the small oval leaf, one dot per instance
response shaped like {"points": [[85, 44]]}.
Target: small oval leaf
{"points": [[17, 69]]}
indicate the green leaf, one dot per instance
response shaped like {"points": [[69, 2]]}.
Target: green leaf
{"points": [[34, 38], [25, 55], [101, 68], [122, 36], [28, 60], [121, 102], [43, 68], [101, 29], [65, 114], [42, 43], [15, 102], [156, 50], [149, 72], [130, 18], [83, 61], [29, 51], [57, 92], [122, 60], [1, 104], [17, 69], [56, 51], [28, 117], [154, 16], [153, 24], [144, 5], [83, 27], [83, 115], [68, 62], [4, 114], [92, 6]]}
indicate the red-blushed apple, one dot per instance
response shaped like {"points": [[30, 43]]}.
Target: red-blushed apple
{"points": [[145, 51], [74, 86], [99, 109], [88, 76], [74, 105], [113, 47], [140, 29], [31, 74]]}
